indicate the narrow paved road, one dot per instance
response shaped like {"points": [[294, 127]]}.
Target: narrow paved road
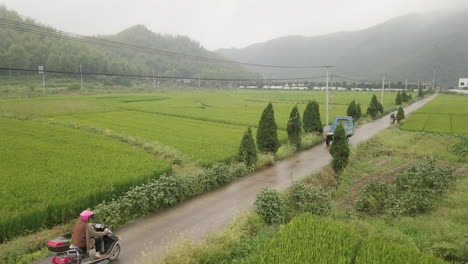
{"points": [[215, 210]]}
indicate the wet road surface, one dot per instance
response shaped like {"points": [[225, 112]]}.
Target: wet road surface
{"points": [[215, 210]]}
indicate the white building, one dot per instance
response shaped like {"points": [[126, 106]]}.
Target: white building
{"points": [[463, 83]]}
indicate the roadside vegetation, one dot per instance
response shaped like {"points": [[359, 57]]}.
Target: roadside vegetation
{"points": [[428, 227]]}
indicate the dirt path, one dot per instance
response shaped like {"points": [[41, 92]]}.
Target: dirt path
{"points": [[215, 210]]}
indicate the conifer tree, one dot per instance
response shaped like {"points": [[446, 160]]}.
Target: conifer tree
{"points": [[267, 134], [247, 149], [308, 118], [400, 114], [339, 149], [375, 107], [410, 97], [294, 127], [398, 100], [352, 111], [358, 111], [420, 93], [404, 97], [318, 127], [311, 118]]}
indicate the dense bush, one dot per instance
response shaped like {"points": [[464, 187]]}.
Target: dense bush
{"points": [[247, 149], [461, 148], [358, 111], [309, 199], [339, 149], [416, 190], [404, 97], [420, 92], [354, 110], [374, 197], [164, 192], [294, 127], [270, 205], [267, 134], [422, 185]]}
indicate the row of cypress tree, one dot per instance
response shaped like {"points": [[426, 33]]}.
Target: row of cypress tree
{"points": [[267, 132]]}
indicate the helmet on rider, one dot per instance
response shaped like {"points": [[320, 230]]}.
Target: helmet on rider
{"points": [[86, 215]]}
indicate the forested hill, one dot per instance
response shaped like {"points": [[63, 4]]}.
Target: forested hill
{"points": [[410, 46], [28, 50]]}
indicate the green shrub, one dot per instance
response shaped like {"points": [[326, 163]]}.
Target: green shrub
{"points": [[165, 191], [358, 111], [339, 149], [270, 205], [309, 199], [352, 111], [374, 198], [267, 134], [422, 185], [416, 190], [461, 148], [294, 127], [247, 149]]}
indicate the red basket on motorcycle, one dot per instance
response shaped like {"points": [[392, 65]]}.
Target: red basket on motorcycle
{"points": [[60, 244]]}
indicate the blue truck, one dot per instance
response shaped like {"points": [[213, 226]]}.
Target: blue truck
{"points": [[348, 124]]}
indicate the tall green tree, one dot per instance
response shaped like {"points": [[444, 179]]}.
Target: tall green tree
{"points": [[311, 118], [404, 97], [398, 100], [247, 149], [420, 93], [352, 111], [267, 134], [358, 111], [339, 149], [294, 127], [375, 107], [400, 114]]}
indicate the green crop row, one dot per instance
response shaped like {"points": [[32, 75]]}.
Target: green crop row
{"points": [[202, 141], [445, 114], [310, 239], [50, 173]]}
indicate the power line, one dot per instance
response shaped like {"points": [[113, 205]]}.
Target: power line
{"points": [[159, 77], [31, 28]]}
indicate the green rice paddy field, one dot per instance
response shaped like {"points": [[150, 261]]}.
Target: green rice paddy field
{"points": [[51, 171], [445, 114]]}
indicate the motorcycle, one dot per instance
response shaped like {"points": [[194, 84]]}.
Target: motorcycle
{"points": [[392, 118], [65, 253]]}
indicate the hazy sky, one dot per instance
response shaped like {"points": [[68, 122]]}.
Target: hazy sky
{"points": [[221, 23]]}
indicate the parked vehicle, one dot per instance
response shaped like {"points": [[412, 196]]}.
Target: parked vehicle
{"points": [[65, 253], [348, 124]]}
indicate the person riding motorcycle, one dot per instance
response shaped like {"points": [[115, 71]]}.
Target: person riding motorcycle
{"points": [[84, 235], [392, 118]]}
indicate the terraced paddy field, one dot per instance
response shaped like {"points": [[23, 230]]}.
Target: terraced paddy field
{"points": [[51, 172], [445, 114]]}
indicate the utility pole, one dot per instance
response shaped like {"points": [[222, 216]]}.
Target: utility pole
{"points": [[154, 82], [406, 85], [199, 83], [326, 101], [158, 86], [433, 79], [43, 83], [81, 77], [383, 88]]}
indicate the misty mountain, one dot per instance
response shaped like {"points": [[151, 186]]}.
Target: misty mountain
{"points": [[410, 46], [25, 49]]}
